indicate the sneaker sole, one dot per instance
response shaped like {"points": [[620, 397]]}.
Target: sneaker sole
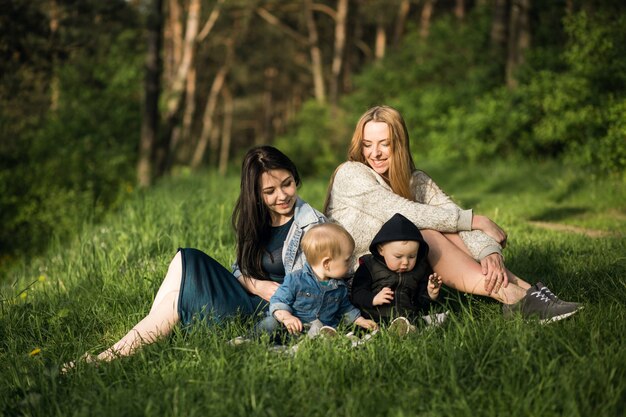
{"points": [[401, 328], [560, 317]]}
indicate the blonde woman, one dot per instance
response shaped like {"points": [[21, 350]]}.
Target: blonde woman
{"points": [[380, 179]]}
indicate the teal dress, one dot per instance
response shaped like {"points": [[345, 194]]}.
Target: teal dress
{"points": [[211, 293]]}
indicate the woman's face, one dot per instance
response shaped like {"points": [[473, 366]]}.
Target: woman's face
{"points": [[279, 192], [376, 146]]}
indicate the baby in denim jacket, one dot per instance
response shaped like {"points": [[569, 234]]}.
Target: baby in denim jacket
{"points": [[316, 295]]}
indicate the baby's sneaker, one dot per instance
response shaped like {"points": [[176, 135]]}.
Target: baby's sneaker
{"points": [[401, 326], [327, 331], [239, 340]]}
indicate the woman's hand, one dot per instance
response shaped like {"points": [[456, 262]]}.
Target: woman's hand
{"points": [[494, 272], [263, 288], [490, 228], [385, 296]]}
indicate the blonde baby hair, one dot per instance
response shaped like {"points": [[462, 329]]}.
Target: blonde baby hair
{"points": [[326, 239]]}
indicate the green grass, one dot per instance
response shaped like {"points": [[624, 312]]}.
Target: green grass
{"points": [[86, 293]]}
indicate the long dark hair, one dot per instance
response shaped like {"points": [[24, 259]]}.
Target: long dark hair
{"points": [[251, 218]]}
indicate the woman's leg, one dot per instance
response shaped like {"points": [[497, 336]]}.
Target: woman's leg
{"points": [[161, 319], [171, 282], [461, 272], [458, 242]]}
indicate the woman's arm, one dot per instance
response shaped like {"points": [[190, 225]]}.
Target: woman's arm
{"points": [[261, 287], [359, 188], [484, 238]]}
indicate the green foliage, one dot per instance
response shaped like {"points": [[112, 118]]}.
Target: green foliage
{"points": [[317, 142], [568, 106], [89, 291], [76, 159]]}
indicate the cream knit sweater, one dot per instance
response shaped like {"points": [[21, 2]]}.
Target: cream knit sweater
{"points": [[361, 201]]}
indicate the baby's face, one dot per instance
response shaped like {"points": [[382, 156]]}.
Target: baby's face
{"points": [[339, 266], [400, 255]]}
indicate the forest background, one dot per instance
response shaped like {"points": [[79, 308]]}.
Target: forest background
{"points": [[100, 98]]}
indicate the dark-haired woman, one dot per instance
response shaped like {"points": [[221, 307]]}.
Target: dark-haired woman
{"points": [[269, 220]]}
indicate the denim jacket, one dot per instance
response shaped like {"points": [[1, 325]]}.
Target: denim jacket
{"points": [[303, 296], [304, 217]]}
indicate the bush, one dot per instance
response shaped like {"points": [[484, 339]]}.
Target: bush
{"points": [[79, 159], [316, 141], [569, 107]]}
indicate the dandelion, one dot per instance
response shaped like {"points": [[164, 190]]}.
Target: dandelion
{"points": [[23, 295], [42, 278], [34, 352]]}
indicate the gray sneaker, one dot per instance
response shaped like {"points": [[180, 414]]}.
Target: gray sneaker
{"points": [[552, 296], [537, 305]]}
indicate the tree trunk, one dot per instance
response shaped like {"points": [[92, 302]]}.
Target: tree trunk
{"points": [[54, 81], [427, 13], [209, 110], [267, 114], [208, 26], [498, 26], [178, 85], [207, 119], [519, 39], [190, 104], [459, 9], [173, 41], [214, 140], [340, 44], [403, 12], [381, 42], [176, 91], [181, 143], [150, 116], [226, 129], [316, 54]]}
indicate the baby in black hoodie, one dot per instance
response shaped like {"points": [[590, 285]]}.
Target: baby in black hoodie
{"points": [[396, 280]]}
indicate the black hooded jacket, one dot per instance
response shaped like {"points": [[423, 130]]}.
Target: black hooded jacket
{"points": [[410, 288]]}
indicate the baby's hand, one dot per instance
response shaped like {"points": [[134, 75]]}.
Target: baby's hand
{"points": [[293, 324], [385, 296], [434, 284], [366, 323]]}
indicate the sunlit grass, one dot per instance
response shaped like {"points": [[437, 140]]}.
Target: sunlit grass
{"points": [[86, 293]]}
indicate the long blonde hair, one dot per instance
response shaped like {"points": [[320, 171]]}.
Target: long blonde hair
{"points": [[401, 165]]}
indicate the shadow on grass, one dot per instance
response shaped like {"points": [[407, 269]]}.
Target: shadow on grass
{"points": [[559, 213]]}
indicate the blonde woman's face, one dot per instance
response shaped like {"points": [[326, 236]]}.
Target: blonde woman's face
{"points": [[377, 146]]}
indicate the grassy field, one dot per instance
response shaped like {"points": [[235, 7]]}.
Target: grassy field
{"points": [[565, 229]]}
